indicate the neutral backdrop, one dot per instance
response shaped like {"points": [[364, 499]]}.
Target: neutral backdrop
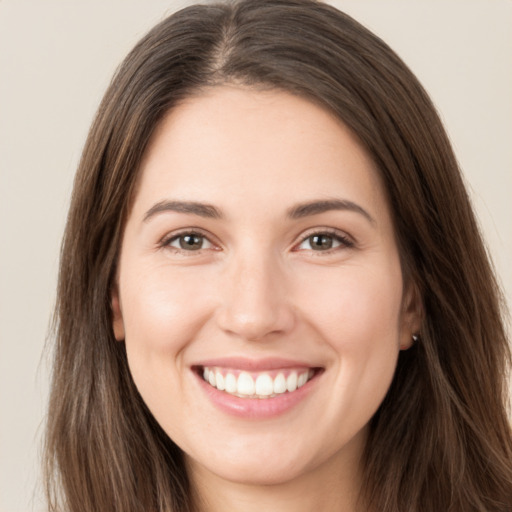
{"points": [[57, 57]]}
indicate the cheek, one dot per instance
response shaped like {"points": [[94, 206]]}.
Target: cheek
{"points": [[357, 313], [355, 308], [161, 315], [160, 311]]}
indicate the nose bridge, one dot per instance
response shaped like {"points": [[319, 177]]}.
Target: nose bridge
{"points": [[255, 302]]}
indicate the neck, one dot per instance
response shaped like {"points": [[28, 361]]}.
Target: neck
{"points": [[333, 485]]}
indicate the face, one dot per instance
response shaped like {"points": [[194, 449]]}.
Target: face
{"points": [[259, 288]]}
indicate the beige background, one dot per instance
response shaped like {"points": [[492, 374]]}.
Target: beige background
{"points": [[56, 58]]}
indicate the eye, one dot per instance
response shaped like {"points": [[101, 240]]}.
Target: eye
{"points": [[189, 242], [324, 242]]}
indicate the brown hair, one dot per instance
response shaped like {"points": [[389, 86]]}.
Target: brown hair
{"points": [[441, 439]]}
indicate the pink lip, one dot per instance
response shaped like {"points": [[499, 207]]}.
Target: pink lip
{"points": [[254, 408], [254, 365]]}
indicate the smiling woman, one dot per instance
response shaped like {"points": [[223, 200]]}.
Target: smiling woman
{"points": [[274, 299], [273, 293]]}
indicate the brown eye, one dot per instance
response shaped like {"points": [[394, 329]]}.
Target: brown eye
{"points": [[321, 242], [324, 242], [190, 242]]}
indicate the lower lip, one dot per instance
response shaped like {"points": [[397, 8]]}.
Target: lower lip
{"points": [[256, 408]]}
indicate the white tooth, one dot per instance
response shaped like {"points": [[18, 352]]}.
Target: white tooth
{"points": [[219, 379], [211, 378], [205, 374], [230, 383], [264, 385], [303, 377], [279, 384], [245, 384], [291, 382]]}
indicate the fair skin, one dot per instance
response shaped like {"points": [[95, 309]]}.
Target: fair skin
{"points": [[260, 243]]}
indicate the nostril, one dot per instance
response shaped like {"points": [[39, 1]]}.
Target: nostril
{"points": [[256, 324]]}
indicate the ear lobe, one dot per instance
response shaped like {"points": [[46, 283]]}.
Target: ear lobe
{"points": [[412, 316], [117, 316]]}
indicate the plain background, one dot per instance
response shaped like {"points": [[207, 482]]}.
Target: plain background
{"points": [[56, 59]]}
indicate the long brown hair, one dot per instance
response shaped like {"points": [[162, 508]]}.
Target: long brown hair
{"points": [[441, 440]]}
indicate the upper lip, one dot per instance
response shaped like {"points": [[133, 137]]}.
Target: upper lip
{"points": [[255, 365]]}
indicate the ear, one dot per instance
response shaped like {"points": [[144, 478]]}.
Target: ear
{"points": [[412, 315], [117, 315]]}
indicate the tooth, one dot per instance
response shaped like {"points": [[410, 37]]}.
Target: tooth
{"points": [[279, 384], [245, 385], [303, 377], [219, 379], [230, 383], [264, 385], [291, 382]]}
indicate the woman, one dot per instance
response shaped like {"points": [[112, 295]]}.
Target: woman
{"points": [[273, 293]]}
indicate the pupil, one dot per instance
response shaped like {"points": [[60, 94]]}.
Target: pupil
{"points": [[321, 241], [189, 242]]}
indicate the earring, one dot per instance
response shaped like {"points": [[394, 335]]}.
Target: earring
{"points": [[415, 338]]}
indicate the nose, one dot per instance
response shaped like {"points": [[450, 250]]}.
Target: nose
{"points": [[254, 300]]}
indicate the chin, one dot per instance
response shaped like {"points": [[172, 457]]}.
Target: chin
{"points": [[263, 472], [265, 461]]}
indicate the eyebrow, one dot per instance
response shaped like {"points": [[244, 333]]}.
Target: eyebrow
{"points": [[316, 207], [201, 209], [298, 211]]}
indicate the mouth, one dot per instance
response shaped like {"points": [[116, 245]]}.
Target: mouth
{"points": [[256, 384]]}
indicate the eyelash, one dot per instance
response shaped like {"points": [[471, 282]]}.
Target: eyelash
{"points": [[344, 241], [166, 242]]}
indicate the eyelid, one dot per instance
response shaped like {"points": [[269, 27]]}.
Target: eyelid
{"points": [[346, 241], [169, 237]]}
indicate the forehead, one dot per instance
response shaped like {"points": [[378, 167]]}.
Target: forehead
{"points": [[269, 147]]}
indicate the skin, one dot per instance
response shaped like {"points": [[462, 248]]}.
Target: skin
{"points": [[259, 287]]}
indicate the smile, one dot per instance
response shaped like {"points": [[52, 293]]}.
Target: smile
{"points": [[259, 385]]}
